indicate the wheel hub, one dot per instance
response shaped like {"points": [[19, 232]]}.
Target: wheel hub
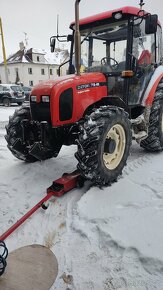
{"points": [[114, 146], [110, 145]]}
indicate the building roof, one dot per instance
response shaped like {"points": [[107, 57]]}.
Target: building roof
{"points": [[26, 56], [18, 57]]}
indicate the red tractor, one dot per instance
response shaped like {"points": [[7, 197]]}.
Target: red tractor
{"points": [[113, 94]]}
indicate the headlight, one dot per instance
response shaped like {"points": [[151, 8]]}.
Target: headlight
{"points": [[45, 99], [33, 98], [117, 15]]}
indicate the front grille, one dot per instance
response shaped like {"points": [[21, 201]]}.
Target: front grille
{"points": [[40, 111]]}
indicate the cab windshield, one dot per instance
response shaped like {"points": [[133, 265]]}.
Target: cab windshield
{"points": [[104, 47]]}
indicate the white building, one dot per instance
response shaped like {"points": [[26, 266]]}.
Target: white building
{"points": [[32, 66]]}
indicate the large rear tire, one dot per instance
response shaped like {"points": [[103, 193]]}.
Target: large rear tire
{"points": [[154, 141], [104, 144], [14, 131]]}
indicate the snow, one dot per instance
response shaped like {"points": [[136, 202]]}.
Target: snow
{"points": [[24, 59], [109, 238], [38, 50], [4, 115], [57, 57]]}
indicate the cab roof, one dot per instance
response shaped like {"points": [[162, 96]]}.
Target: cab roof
{"points": [[108, 14]]}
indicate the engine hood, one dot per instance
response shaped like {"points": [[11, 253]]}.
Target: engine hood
{"points": [[70, 97], [45, 88]]}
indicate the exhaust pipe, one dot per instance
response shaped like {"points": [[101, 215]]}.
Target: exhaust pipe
{"points": [[77, 39]]}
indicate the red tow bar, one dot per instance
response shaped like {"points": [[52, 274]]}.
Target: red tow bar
{"points": [[58, 188]]}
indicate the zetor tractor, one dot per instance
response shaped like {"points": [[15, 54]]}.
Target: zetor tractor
{"points": [[113, 94]]}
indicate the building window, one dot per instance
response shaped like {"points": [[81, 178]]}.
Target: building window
{"points": [[38, 59], [42, 71], [30, 71], [31, 83], [51, 71]]}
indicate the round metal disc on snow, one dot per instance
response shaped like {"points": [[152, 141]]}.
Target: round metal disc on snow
{"points": [[31, 267]]}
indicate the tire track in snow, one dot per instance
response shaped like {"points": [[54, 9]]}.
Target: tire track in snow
{"points": [[119, 267]]}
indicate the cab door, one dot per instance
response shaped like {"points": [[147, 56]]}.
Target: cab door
{"points": [[144, 59]]}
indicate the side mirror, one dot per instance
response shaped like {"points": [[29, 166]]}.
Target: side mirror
{"points": [[71, 69], [52, 44], [151, 24]]}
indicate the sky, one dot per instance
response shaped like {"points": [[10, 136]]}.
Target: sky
{"points": [[38, 18]]}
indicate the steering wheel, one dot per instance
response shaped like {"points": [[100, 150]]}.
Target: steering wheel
{"points": [[106, 61]]}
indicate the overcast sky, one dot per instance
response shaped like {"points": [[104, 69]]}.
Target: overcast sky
{"points": [[38, 18]]}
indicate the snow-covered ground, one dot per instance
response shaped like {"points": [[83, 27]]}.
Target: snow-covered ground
{"points": [[110, 238]]}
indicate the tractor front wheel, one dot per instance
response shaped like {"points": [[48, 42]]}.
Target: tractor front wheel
{"points": [[16, 144], [14, 132], [104, 144]]}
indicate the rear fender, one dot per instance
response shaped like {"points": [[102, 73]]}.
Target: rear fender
{"points": [[152, 86]]}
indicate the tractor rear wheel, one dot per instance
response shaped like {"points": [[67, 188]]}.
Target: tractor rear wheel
{"points": [[14, 131], [104, 144], [154, 141]]}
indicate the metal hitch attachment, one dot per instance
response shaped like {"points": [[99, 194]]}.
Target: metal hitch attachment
{"points": [[3, 257], [58, 188]]}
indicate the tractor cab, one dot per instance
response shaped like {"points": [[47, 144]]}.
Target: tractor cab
{"points": [[103, 49], [125, 45]]}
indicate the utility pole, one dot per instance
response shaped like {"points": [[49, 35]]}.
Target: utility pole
{"points": [[4, 52], [77, 39]]}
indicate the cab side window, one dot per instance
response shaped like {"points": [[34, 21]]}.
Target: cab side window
{"points": [[144, 53], [143, 45]]}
